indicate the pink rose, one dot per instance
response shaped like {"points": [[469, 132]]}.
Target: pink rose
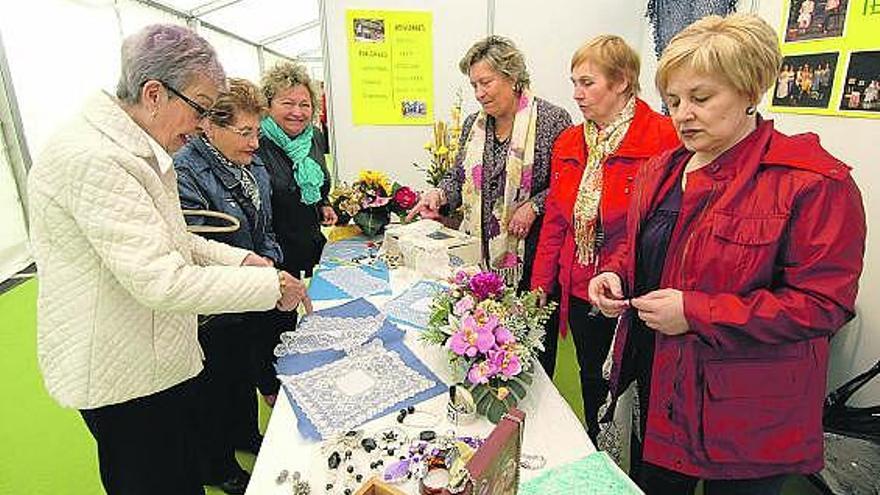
{"points": [[406, 198]]}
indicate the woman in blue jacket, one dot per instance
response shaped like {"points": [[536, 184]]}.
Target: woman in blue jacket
{"points": [[217, 170]]}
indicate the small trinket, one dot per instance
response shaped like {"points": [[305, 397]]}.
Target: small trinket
{"points": [[334, 460], [427, 436]]}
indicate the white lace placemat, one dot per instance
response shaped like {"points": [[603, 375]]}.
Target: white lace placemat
{"points": [[354, 281], [346, 393], [413, 306], [321, 333]]}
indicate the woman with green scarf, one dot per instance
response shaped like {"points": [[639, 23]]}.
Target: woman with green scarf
{"points": [[292, 149]]}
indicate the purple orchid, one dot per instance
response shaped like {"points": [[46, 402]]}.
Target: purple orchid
{"points": [[481, 372], [506, 362], [503, 336], [463, 306], [472, 337]]}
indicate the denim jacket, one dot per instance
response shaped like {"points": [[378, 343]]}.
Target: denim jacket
{"points": [[205, 183]]}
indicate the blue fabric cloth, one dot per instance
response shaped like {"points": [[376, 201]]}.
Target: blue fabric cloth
{"points": [[392, 339], [204, 183], [668, 17], [320, 289], [406, 307]]}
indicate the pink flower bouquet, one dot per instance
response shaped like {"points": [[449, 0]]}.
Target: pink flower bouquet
{"points": [[492, 336]]}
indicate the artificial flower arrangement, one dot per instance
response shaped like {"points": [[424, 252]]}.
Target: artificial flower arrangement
{"points": [[492, 335], [370, 201], [443, 145]]}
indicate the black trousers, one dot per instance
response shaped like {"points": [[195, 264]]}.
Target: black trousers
{"points": [[266, 330], [655, 480], [145, 445], [592, 336], [226, 405]]}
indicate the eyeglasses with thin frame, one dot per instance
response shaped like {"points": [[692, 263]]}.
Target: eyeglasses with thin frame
{"points": [[246, 134], [201, 111]]}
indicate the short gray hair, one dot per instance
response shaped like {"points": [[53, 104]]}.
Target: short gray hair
{"points": [[503, 56], [168, 53]]}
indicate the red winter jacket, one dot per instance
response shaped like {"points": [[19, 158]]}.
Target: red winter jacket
{"points": [[768, 252], [649, 134]]}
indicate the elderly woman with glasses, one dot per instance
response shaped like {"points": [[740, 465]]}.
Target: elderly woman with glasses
{"points": [[121, 279], [741, 260], [217, 171]]}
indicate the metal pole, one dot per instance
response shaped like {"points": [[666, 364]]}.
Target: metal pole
{"points": [[13, 134], [490, 17], [328, 89]]}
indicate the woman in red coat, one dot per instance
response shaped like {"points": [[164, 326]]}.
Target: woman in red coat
{"points": [[742, 258], [590, 188]]}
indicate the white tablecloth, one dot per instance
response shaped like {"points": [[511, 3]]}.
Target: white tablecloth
{"points": [[552, 429]]}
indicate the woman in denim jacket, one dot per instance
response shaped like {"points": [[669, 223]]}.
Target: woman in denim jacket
{"points": [[218, 171]]}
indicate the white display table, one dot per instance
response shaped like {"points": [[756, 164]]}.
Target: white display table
{"points": [[552, 429]]}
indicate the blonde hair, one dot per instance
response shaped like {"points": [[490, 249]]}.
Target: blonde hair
{"points": [[616, 59], [286, 75], [742, 49], [242, 96], [502, 55]]}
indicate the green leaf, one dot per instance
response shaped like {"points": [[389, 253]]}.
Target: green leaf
{"points": [[517, 388], [525, 377], [496, 411]]}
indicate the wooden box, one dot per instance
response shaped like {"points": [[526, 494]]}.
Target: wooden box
{"points": [[375, 486]]}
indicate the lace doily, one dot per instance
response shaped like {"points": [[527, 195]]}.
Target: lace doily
{"points": [[346, 393], [413, 307], [595, 474], [345, 250], [354, 281], [321, 333]]}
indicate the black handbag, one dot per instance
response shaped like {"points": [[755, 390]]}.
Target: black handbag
{"points": [[852, 442]]}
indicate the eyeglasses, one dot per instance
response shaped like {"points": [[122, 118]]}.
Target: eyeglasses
{"points": [[201, 111], [246, 134]]}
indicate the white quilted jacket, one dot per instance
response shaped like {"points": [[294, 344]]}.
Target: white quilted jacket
{"points": [[121, 281]]}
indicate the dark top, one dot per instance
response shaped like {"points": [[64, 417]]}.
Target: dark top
{"points": [[653, 242], [297, 225], [207, 181]]}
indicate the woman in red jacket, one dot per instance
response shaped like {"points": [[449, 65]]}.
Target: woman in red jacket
{"points": [[593, 166], [742, 258]]}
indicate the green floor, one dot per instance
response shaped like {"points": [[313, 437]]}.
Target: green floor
{"points": [[45, 449]]}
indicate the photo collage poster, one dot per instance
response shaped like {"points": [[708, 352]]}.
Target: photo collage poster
{"points": [[831, 59]]}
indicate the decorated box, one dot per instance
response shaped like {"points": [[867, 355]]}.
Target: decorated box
{"points": [[430, 248]]}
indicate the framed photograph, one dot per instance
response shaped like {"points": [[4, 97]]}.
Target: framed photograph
{"points": [[815, 19], [861, 90], [805, 80], [369, 30]]}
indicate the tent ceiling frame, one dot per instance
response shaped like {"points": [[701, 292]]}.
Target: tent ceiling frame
{"points": [[189, 19], [212, 6], [290, 32]]}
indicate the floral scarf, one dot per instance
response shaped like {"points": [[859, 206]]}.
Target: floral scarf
{"points": [[506, 252], [601, 143]]}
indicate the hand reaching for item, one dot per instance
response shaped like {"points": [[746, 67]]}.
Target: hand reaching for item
{"points": [[522, 220], [428, 206]]}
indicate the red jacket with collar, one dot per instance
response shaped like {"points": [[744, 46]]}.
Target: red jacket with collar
{"points": [[767, 252], [649, 134]]}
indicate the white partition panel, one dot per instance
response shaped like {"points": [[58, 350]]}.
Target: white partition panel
{"points": [[550, 33]]}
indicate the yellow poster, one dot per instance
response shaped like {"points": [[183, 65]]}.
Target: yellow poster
{"points": [[831, 63], [390, 57]]}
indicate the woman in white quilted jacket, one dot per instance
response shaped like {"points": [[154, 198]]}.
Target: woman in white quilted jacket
{"points": [[121, 280]]}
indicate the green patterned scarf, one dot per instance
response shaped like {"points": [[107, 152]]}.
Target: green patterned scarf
{"points": [[306, 171]]}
